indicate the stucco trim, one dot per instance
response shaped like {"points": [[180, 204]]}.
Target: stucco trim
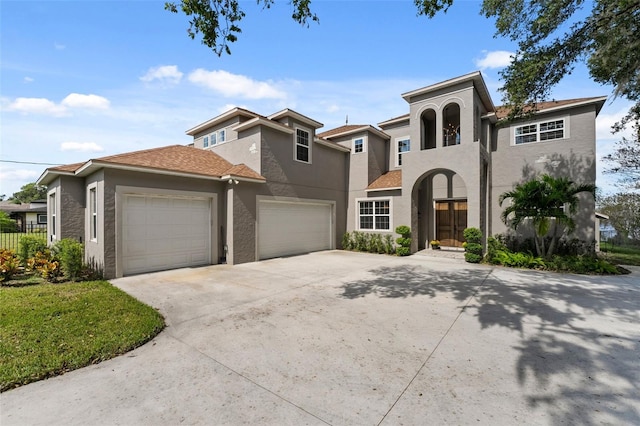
{"points": [[383, 189], [220, 118], [260, 121]]}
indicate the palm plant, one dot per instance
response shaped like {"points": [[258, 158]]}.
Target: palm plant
{"points": [[545, 202]]}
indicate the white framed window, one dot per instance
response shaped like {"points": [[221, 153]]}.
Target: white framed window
{"points": [[213, 138], [93, 213], [403, 145], [374, 214], [53, 215], [205, 141], [302, 145], [222, 136], [42, 219], [358, 145], [540, 132]]}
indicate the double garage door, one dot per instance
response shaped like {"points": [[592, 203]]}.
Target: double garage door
{"points": [[288, 228], [164, 232]]}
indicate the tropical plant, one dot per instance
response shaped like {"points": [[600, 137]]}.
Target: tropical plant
{"points": [[548, 203]]}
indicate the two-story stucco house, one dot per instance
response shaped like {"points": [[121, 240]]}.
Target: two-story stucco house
{"points": [[254, 187]]}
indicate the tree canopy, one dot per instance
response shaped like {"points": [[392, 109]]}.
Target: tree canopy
{"points": [[28, 193], [543, 201], [552, 36], [624, 213]]}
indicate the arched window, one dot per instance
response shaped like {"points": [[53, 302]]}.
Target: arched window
{"points": [[428, 129], [451, 125]]}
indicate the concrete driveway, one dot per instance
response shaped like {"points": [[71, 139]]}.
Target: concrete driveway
{"points": [[349, 338]]}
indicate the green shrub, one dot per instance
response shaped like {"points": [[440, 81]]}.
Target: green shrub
{"points": [[403, 251], [6, 223], [404, 230], [388, 244], [403, 242], [472, 235], [493, 247], [70, 253], [347, 243], [45, 263], [29, 245]]}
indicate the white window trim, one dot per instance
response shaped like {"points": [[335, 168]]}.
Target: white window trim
{"points": [[52, 213], [364, 145], [40, 222], [295, 144], [93, 216], [397, 152], [566, 134], [357, 209], [205, 141]]}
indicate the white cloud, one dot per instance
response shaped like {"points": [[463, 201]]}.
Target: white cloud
{"points": [[227, 107], [166, 74], [36, 106], [495, 59], [230, 85], [77, 100], [59, 46], [81, 147], [333, 108], [28, 79], [605, 121], [18, 175]]}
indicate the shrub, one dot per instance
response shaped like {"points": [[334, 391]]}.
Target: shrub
{"points": [[493, 247], [44, 263], [29, 245], [388, 244], [6, 223], [473, 247], [404, 241], [347, 243], [472, 235], [70, 254], [9, 264]]}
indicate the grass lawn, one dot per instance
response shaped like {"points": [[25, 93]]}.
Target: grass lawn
{"points": [[622, 255], [48, 329]]}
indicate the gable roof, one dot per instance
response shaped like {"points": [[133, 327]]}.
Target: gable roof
{"points": [[349, 129], [547, 106], [234, 112], [389, 180], [176, 160], [291, 113]]}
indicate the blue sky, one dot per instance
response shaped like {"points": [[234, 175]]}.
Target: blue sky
{"points": [[86, 79]]}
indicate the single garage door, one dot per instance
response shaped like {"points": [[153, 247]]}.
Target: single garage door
{"points": [[287, 228], [164, 232]]}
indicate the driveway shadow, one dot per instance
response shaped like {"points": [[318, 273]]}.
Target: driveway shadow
{"points": [[579, 337]]}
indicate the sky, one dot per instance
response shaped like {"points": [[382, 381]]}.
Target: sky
{"points": [[87, 79]]}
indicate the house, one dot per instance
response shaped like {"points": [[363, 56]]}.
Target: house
{"points": [[29, 217], [253, 187]]}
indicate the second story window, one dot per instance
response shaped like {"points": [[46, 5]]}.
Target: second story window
{"points": [[214, 138], [205, 141], [302, 146], [403, 145], [538, 132], [222, 136], [358, 145]]}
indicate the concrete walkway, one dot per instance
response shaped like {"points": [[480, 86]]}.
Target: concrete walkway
{"points": [[356, 339]]}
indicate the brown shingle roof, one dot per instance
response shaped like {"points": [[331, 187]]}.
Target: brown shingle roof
{"points": [[392, 179], [342, 129], [503, 111], [173, 158]]}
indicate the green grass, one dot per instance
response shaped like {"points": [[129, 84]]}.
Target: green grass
{"points": [[9, 240], [622, 255], [49, 329]]}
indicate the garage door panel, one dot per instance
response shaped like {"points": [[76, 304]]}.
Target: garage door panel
{"points": [[293, 228], [165, 232]]}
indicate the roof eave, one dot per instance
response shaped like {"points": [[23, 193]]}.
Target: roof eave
{"points": [[394, 121], [291, 113], [331, 145], [367, 128], [220, 118], [260, 121], [93, 166], [393, 188]]}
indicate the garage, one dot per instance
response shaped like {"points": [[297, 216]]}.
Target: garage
{"points": [[288, 228], [164, 232]]}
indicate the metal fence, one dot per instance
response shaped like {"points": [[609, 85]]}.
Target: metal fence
{"points": [[9, 239]]}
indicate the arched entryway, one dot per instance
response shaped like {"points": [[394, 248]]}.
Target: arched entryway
{"points": [[439, 198]]}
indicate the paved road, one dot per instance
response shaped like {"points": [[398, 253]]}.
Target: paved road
{"points": [[349, 338]]}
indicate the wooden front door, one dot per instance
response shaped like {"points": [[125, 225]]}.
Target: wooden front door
{"points": [[451, 221]]}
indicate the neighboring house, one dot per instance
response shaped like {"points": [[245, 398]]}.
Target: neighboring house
{"points": [[29, 217], [253, 187]]}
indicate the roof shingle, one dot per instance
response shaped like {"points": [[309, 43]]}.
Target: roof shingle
{"points": [[389, 180]]}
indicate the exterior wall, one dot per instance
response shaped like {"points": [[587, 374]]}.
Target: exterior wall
{"points": [[397, 131], [231, 135], [115, 178], [69, 208], [94, 249], [245, 150], [573, 157], [377, 155]]}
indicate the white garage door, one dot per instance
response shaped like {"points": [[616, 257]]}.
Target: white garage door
{"points": [[287, 228], [161, 232]]}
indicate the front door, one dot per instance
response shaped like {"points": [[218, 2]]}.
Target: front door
{"points": [[451, 221]]}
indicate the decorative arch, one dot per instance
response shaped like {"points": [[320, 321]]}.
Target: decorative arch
{"points": [[428, 129], [451, 124]]}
